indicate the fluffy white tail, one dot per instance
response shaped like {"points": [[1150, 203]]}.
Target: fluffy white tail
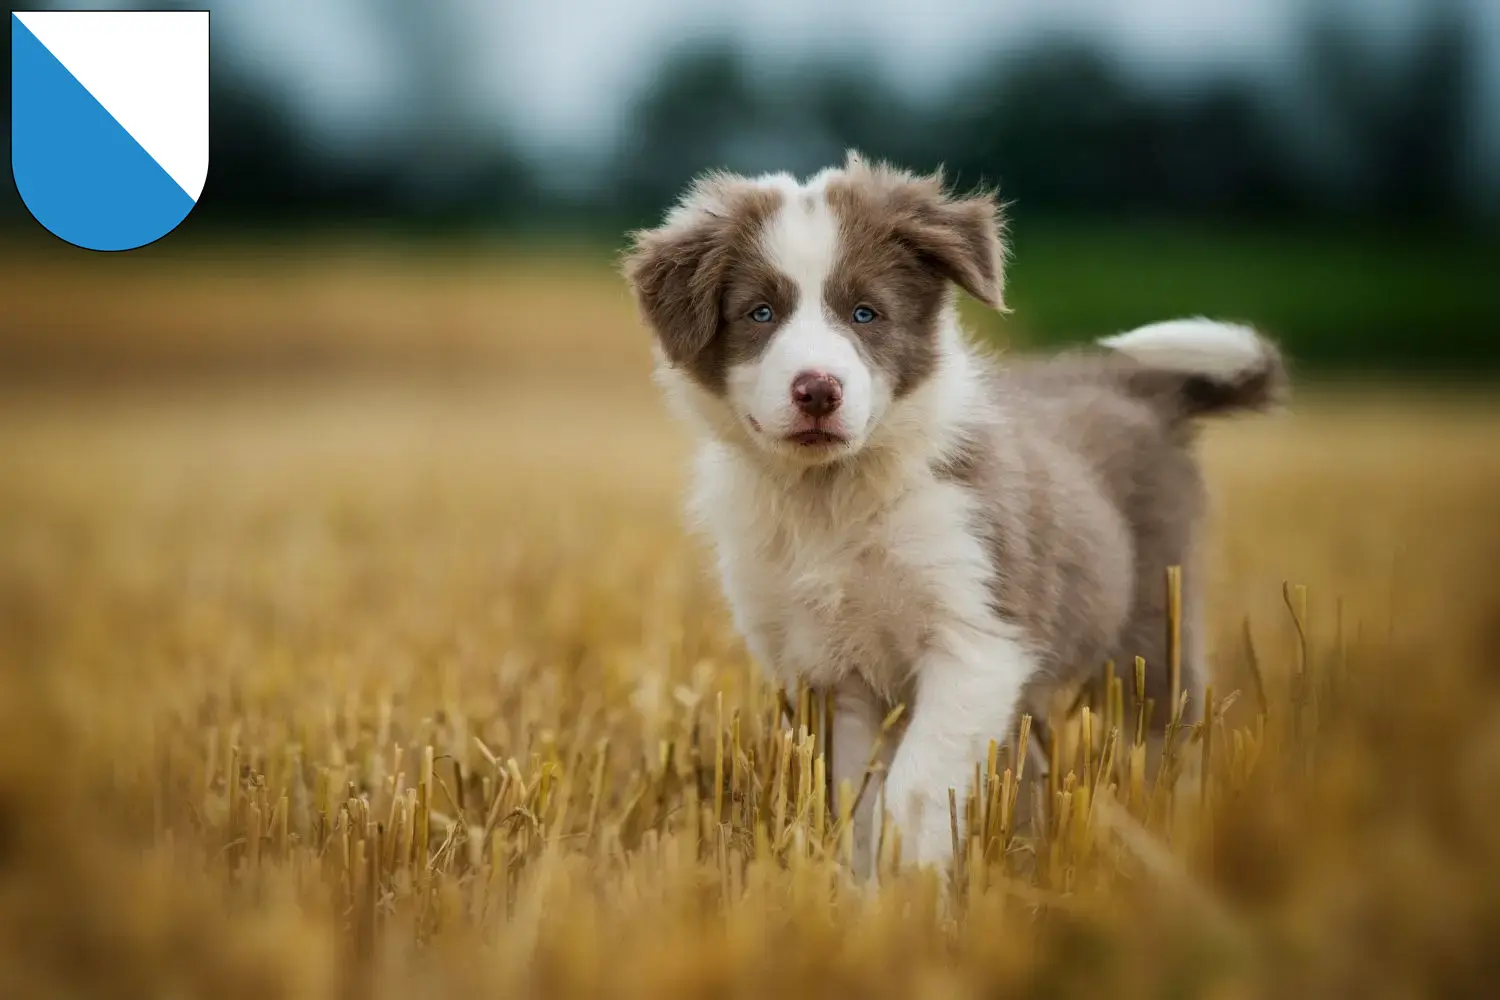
{"points": [[1207, 366]]}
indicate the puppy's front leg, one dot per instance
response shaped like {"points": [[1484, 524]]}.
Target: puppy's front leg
{"points": [[968, 686], [856, 727]]}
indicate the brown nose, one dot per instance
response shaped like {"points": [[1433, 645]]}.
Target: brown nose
{"points": [[817, 394]]}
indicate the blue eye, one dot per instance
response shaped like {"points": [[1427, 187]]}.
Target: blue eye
{"points": [[762, 314], [864, 314]]}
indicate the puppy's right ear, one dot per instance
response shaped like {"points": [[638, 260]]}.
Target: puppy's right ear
{"points": [[677, 272]]}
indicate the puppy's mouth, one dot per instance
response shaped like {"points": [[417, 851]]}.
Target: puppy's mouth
{"points": [[815, 439]]}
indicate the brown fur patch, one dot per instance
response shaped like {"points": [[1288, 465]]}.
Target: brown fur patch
{"points": [[902, 240], [695, 276], [1182, 396], [875, 269], [958, 237]]}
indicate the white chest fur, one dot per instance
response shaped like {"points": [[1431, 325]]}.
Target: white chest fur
{"points": [[848, 574]]}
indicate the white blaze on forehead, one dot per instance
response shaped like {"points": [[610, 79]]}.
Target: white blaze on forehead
{"points": [[801, 242]]}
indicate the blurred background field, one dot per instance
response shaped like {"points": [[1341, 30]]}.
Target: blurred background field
{"points": [[353, 644]]}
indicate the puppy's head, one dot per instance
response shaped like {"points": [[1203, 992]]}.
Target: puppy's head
{"points": [[798, 318]]}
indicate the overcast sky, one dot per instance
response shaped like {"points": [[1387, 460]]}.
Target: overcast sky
{"points": [[558, 72], [563, 71], [560, 69]]}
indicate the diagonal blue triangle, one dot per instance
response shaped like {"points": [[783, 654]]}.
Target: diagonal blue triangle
{"points": [[80, 173]]}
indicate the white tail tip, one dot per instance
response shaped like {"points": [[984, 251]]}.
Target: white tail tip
{"points": [[1224, 352]]}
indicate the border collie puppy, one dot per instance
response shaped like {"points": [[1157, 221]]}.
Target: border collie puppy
{"points": [[900, 517]]}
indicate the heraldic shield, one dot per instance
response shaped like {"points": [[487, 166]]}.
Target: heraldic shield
{"points": [[109, 121]]}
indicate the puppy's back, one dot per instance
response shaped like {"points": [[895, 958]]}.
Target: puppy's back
{"points": [[1130, 413], [1131, 410]]}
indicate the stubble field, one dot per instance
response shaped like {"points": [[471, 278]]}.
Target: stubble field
{"points": [[354, 647]]}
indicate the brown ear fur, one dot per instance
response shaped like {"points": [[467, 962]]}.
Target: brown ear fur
{"points": [[959, 237], [676, 272]]}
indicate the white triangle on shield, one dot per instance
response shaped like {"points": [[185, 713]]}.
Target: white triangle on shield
{"points": [[149, 70]]}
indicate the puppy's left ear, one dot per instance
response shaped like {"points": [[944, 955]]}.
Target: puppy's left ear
{"points": [[962, 239]]}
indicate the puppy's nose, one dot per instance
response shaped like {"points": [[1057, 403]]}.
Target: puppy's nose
{"points": [[817, 394]]}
